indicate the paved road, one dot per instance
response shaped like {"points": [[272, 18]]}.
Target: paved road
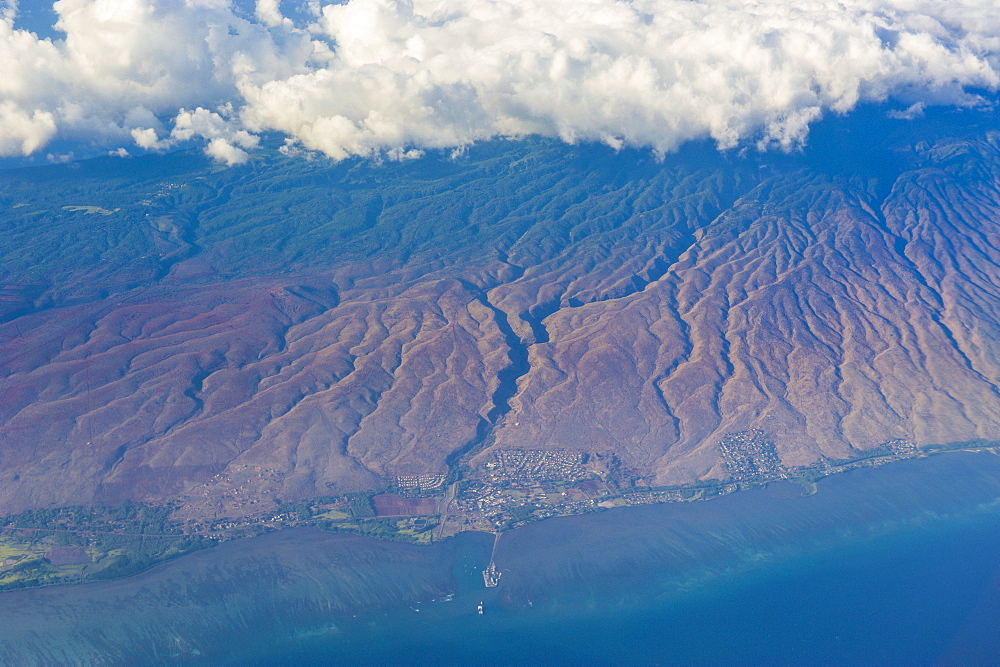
{"points": [[449, 498]]}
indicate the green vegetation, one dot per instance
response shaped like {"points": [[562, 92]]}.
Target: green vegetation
{"points": [[418, 531], [33, 558], [300, 510], [73, 544], [132, 518], [386, 529], [522, 512], [76, 544], [271, 211], [361, 505]]}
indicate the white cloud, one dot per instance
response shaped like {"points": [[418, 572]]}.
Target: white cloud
{"points": [[124, 64], [223, 151], [395, 77], [915, 110], [22, 132], [268, 12], [146, 138], [225, 141], [8, 11]]}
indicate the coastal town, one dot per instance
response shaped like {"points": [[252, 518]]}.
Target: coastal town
{"points": [[512, 488]]}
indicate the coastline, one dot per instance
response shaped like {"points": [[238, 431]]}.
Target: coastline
{"points": [[116, 542], [259, 592]]}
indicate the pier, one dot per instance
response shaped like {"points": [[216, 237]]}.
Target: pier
{"points": [[491, 575]]}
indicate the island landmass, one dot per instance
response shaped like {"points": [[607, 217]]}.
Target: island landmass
{"points": [[512, 488]]}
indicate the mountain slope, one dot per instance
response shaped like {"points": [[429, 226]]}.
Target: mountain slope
{"points": [[307, 328]]}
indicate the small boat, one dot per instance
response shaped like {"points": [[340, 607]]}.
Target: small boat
{"points": [[480, 608]]}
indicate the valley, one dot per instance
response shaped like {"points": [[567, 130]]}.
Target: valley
{"points": [[228, 341]]}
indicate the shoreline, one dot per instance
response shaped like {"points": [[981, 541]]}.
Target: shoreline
{"points": [[261, 590], [102, 563]]}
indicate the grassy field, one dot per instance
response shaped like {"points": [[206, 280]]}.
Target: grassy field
{"points": [[116, 541]]}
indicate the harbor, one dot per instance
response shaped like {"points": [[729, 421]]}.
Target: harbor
{"points": [[491, 575]]}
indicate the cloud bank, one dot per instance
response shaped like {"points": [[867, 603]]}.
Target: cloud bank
{"points": [[395, 77]]}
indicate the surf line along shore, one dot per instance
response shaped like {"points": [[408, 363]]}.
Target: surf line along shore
{"points": [[491, 575]]}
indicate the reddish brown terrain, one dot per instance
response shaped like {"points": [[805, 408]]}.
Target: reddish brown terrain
{"points": [[288, 329]]}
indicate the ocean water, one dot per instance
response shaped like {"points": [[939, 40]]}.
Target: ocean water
{"points": [[891, 565], [924, 593], [894, 565]]}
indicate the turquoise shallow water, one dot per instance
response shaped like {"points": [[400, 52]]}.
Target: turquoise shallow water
{"points": [[883, 566], [895, 565], [924, 594]]}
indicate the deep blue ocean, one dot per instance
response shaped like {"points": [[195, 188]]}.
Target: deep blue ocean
{"points": [[926, 594], [895, 565]]}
